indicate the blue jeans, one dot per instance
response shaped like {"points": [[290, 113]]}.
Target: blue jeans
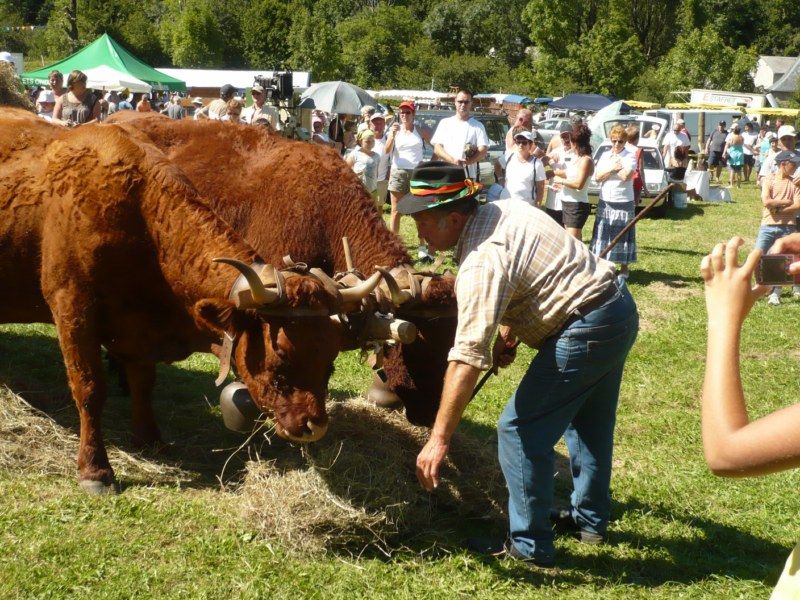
{"points": [[571, 388], [768, 235]]}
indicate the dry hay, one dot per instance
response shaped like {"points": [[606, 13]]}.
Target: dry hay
{"points": [[32, 442], [358, 488], [11, 91]]}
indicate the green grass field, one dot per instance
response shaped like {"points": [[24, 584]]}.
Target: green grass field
{"points": [[176, 531]]}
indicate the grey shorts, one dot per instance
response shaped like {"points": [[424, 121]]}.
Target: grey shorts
{"points": [[400, 181]]}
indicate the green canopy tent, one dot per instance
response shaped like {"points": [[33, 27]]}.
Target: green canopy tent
{"points": [[105, 51]]}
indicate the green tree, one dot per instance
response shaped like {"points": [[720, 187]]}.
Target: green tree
{"points": [[373, 42], [192, 35], [556, 24], [315, 46], [654, 24], [264, 26], [781, 32]]}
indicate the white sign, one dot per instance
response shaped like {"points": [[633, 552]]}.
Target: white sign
{"points": [[727, 98]]}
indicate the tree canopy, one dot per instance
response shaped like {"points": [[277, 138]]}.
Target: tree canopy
{"points": [[623, 47]]}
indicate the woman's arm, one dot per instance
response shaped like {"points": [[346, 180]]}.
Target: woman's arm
{"points": [[734, 446], [585, 170], [58, 111]]}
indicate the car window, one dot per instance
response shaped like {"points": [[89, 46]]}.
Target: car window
{"points": [[565, 126], [651, 159], [496, 130]]}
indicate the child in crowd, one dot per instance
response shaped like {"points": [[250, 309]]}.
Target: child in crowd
{"points": [[364, 162]]}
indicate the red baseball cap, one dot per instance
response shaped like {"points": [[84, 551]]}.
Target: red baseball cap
{"points": [[409, 105]]}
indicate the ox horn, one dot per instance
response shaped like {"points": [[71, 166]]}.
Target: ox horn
{"points": [[361, 291], [398, 296], [259, 292]]}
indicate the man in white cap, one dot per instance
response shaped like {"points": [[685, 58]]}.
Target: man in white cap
{"points": [[787, 140], [260, 109]]}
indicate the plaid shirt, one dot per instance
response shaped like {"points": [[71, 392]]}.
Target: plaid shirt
{"points": [[519, 268]]}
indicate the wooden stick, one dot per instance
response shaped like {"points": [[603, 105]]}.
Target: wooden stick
{"points": [[627, 227], [348, 257]]}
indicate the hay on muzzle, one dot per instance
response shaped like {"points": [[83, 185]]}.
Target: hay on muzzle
{"points": [[357, 487]]}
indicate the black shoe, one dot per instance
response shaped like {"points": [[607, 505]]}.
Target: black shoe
{"points": [[503, 548], [564, 523]]}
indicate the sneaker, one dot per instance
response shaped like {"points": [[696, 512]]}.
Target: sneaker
{"points": [[564, 523], [503, 548], [774, 299]]}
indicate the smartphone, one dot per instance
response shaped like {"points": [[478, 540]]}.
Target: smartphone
{"points": [[773, 269]]}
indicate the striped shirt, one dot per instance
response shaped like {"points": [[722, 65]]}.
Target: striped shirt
{"points": [[519, 268]]}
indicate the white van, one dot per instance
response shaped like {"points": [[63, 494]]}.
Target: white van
{"points": [[691, 117]]}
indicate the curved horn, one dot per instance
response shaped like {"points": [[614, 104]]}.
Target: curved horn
{"points": [[260, 293], [398, 296], [359, 292]]}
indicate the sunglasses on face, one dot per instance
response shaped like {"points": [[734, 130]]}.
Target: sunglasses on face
{"points": [[615, 142], [523, 142]]}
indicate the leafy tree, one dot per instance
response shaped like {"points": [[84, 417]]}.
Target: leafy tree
{"points": [[487, 30], [443, 26], [556, 24], [265, 24], [654, 24], [781, 32], [606, 60], [373, 42], [194, 38], [314, 46]]}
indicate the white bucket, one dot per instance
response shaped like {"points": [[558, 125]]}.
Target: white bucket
{"points": [[679, 199]]}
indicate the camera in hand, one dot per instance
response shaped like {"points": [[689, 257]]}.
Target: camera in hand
{"points": [[278, 87], [773, 269]]}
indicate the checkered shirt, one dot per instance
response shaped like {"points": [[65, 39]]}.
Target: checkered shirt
{"points": [[519, 268]]}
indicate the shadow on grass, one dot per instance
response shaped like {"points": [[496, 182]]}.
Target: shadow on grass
{"points": [[648, 249], [644, 278]]}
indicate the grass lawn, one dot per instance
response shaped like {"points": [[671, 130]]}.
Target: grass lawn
{"points": [[175, 531]]}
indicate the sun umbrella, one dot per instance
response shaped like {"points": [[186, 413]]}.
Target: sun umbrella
{"points": [[104, 77], [336, 97]]}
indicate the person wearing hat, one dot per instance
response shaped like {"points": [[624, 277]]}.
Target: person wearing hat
{"points": [[652, 133], [522, 174], [197, 104], [318, 135], [715, 145], [780, 195], [216, 109], [45, 103], [260, 109], [575, 120], [787, 140], [461, 139], [522, 273], [377, 125]]}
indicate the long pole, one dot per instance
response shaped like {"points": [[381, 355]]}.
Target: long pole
{"points": [[627, 227]]}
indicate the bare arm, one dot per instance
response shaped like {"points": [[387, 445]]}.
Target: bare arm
{"points": [[58, 110], [458, 385], [734, 446], [482, 151], [540, 195], [585, 170]]}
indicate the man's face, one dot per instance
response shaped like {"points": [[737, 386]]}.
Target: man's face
{"points": [[258, 98], [788, 142], [524, 119], [463, 104], [440, 230], [789, 168], [378, 126], [56, 81]]}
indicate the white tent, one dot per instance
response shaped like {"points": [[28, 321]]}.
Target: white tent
{"points": [[216, 78], [428, 95], [104, 77]]}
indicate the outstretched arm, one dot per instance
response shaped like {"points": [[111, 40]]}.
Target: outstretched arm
{"points": [[734, 446]]}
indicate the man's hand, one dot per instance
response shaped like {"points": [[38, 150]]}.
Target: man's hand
{"points": [[504, 350], [788, 245], [430, 460], [729, 292]]}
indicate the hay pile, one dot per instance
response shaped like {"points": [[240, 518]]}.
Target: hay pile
{"points": [[11, 91], [32, 442], [358, 488]]}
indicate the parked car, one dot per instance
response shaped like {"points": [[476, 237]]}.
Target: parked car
{"points": [[645, 124], [496, 128], [655, 176], [550, 127]]}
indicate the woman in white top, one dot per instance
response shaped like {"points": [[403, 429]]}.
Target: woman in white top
{"points": [[524, 175], [616, 207], [573, 180], [405, 145]]}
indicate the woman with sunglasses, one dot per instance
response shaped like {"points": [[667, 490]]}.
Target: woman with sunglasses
{"points": [[616, 207], [405, 145]]}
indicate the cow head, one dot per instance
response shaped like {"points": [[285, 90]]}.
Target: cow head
{"points": [[286, 341], [415, 372]]}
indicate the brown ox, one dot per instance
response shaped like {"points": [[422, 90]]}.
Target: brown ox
{"points": [[103, 236], [286, 196]]}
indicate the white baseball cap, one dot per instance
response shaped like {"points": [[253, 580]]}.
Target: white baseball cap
{"points": [[786, 131], [6, 57], [46, 96]]}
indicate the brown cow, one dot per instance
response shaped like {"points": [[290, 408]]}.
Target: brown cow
{"points": [[103, 236], [286, 196]]}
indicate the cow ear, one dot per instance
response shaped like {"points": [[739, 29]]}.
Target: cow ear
{"points": [[220, 315]]}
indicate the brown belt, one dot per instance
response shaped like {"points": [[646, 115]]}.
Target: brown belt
{"points": [[587, 307]]}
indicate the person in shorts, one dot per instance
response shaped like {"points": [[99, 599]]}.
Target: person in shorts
{"points": [[715, 145], [572, 182]]}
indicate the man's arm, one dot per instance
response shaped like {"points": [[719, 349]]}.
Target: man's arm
{"points": [[458, 385], [438, 150]]}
